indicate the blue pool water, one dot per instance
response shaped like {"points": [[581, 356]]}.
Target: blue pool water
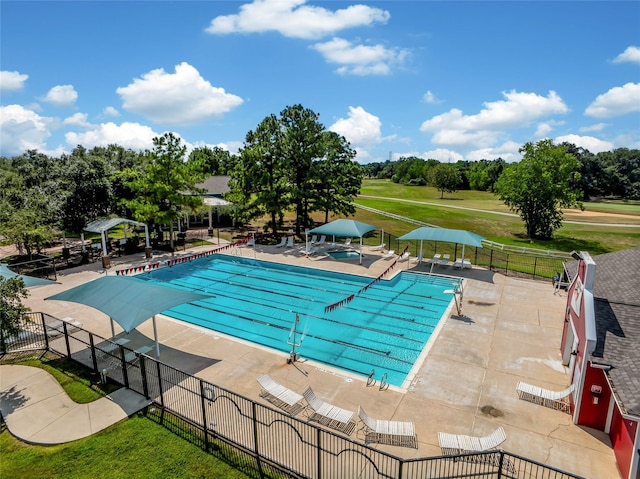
{"points": [[344, 254], [384, 328]]}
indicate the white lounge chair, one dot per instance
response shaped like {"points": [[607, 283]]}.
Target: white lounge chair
{"points": [[314, 239], [394, 433], [310, 251], [251, 241], [282, 243], [280, 396], [453, 444], [461, 263], [289, 242], [404, 256], [389, 254], [329, 415], [380, 247], [346, 243], [321, 241], [545, 397], [445, 260], [435, 259], [417, 259]]}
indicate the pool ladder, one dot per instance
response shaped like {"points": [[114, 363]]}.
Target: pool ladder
{"points": [[371, 381]]}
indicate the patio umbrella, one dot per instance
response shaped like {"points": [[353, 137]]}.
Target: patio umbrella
{"points": [[346, 229], [428, 233]]}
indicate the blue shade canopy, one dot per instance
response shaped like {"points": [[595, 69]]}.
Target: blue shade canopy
{"points": [[427, 233], [344, 228], [29, 281], [128, 301]]}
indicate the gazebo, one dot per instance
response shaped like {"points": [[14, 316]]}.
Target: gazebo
{"points": [[105, 224]]}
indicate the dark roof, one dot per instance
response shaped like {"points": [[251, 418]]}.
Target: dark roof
{"points": [[616, 292], [215, 185]]}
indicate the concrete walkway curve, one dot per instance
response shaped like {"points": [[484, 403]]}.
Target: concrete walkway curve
{"points": [[37, 410]]}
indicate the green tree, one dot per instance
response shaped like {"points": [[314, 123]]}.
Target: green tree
{"points": [[543, 182], [12, 311], [259, 184], [445, 178], [166, 187], [337, 178]]}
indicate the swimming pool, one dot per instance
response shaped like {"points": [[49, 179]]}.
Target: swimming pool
{"points": [[384, 328]]}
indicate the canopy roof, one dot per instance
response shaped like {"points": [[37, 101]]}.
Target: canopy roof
{"points": [[29, 281], [427, 233], [128, 301], [215, 201], [344, 228], [104, 224]]}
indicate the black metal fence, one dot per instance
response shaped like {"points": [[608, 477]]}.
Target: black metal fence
{"points": [[260, 440], [519, 262]]}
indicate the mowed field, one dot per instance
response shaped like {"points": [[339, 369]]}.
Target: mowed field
{"points": [[602, 227]]}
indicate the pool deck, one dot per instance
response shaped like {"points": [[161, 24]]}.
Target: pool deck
{"points": [[509, 330]]}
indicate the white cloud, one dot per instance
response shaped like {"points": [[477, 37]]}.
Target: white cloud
{"points": [[61, 96], [12, 81], [77, 119], [508, 151], [487, 127], [110, 111], [594, 145], [429, 97], [618, 101], [128, 135], [361, 128], [442, 155], [518, 110], [181, 98], [360, 59], [22, 129], [631, 54], [595, 127], [543, 130], [292, 18]]}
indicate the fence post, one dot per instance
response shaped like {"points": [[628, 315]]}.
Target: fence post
{"points": [[319, 447], [143, 376], [204, 416], [66, 338], [506, 269], [500, 462], [535, 264], [160, 385], [255, 438], [125, 374], [93, 353], [44, 328], [491, 260]]}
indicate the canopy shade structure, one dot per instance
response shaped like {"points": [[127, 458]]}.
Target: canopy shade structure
{"points": [[104, 224], [427, 233], [29, 281], [128, 301], [346, 229]]}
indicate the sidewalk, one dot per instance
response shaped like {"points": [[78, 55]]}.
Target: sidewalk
{"points": [[37, 410]]}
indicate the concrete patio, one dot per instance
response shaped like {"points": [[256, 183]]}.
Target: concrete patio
{"points": [[509, 330]]}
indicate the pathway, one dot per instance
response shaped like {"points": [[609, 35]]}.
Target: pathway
{"points": [[37, 409]]}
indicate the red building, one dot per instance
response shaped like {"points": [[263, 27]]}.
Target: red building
{"points": [[601, 347]]}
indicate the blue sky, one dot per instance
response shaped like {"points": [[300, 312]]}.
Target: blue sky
{"points": [[446, 80]]}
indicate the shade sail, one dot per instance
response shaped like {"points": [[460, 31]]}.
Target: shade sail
{"points": [[427, 233], [344, 228], [29, 281], [128, 301]]}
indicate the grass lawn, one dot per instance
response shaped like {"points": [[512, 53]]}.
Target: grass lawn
{"points": [[136, 448], [411, 201]]}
